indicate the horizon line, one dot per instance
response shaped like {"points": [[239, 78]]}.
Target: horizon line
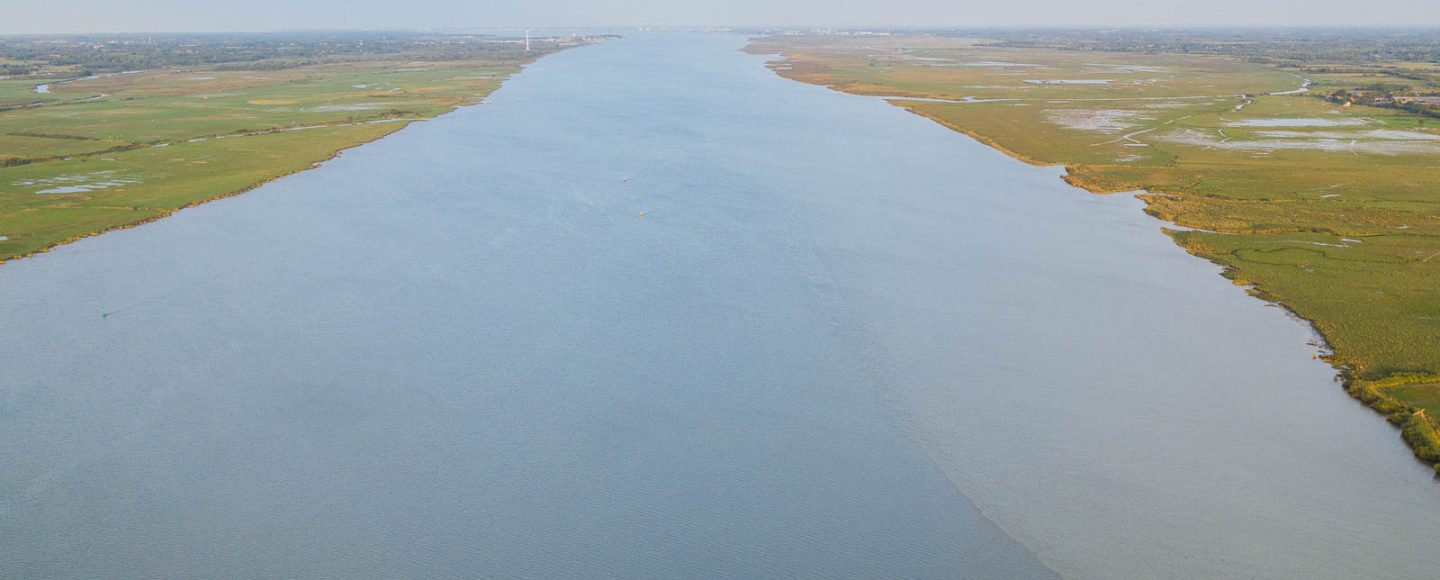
{"points": [[847, 27]]}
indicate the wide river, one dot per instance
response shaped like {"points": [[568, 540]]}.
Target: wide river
{"points": [[840, 341]]}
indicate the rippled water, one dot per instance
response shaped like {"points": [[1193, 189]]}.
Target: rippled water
{"points": [[835, 332]]}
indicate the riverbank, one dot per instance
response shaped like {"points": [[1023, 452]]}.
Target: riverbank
{"points": [[161, 213], [1418, 428], [1339, 235], [105, 152]]}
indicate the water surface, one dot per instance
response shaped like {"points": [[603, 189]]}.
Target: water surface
{"points": [[836, 337], [461, 352]]}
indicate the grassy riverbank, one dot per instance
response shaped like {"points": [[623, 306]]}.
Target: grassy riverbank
{"points": [[1325, 208], [86, 153]]}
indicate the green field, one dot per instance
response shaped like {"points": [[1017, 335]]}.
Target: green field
{"points": [[110, 151], [1424, 395], [1325, 208]]}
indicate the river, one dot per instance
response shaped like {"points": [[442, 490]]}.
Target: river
{"points": [[651, 311]]}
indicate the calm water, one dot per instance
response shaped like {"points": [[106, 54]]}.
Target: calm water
{"points": [[837, 336]]}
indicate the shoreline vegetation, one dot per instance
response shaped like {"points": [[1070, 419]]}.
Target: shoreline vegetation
{"points": [[105, 133], [1312, 204]]}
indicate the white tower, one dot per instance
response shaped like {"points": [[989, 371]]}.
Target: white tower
{"points": [[527, 40]]}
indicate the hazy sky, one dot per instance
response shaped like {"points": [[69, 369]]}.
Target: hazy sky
{"points": [[30, 16]]}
